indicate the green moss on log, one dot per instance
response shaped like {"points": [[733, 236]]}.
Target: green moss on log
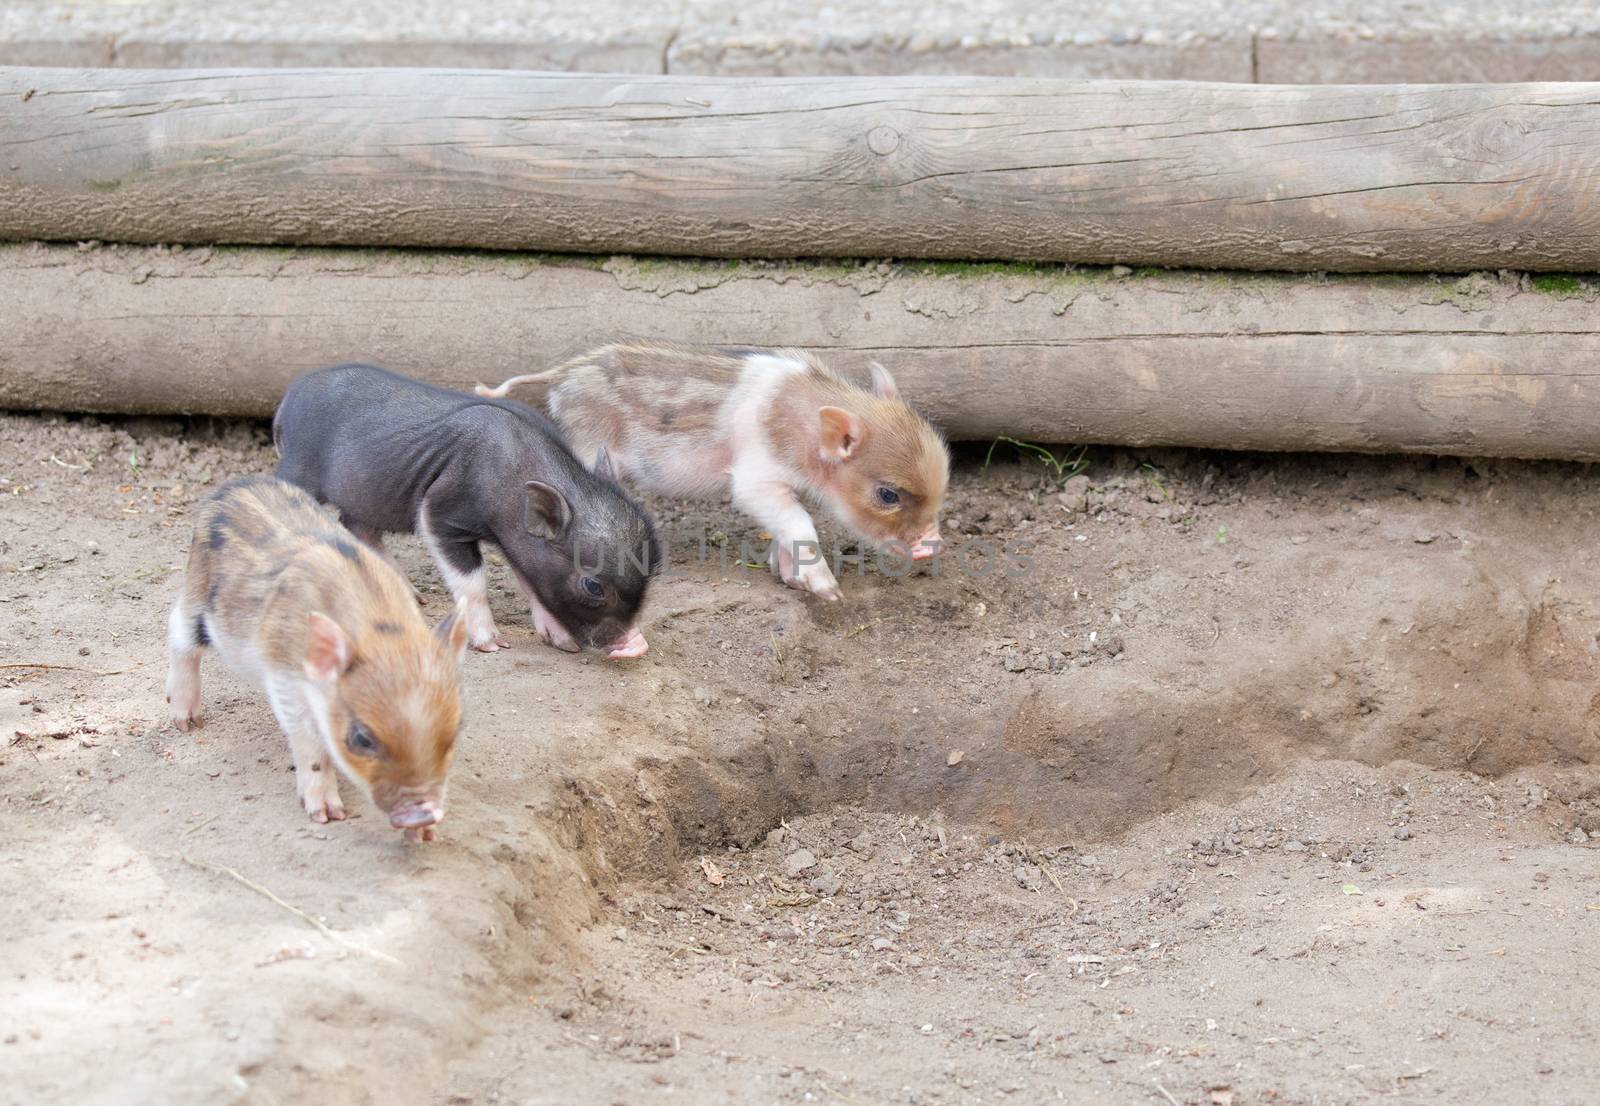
{"points": [[970, 270], [1558, 284]]}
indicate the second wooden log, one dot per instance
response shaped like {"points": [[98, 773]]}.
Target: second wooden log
{"points": [[1475, 365]]}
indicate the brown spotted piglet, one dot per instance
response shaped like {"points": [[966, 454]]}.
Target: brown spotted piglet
{"points": [[296, 604], [770, 426]]}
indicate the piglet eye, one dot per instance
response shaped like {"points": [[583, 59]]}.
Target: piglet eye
{"points": [[888, 497], [594, 588], [360, 741]]}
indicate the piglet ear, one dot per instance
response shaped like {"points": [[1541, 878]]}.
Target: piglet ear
{"points": [[841, 433], [603, 468], [882, 383], [546, 514], [452, 632], [328, 650]]}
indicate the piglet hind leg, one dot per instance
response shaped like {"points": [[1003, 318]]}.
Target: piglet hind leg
{"points": [[315, 779], [797, 553], [184, 647]]}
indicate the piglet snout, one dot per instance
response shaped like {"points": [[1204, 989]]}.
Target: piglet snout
{"points": [[927, 545], [630, 644], [417, 815]]}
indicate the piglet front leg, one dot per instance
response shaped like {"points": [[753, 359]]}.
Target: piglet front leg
{"points": [[550, 631], [315, 779], [461, 565], [797, 553]]}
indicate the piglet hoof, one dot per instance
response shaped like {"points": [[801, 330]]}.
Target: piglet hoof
{"points": [[551, 632], [321, 798], [325, 812], [183, 707], [819, 583], [493, 644], [419, 834]]}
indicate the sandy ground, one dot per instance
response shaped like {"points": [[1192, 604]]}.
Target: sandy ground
{"points": [[1233, 779]]}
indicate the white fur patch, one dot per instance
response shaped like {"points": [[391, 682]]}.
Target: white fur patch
{"points": [[470, 588]]}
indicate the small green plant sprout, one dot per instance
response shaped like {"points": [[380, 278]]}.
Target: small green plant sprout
{"points": [[1153, 475], [1061, 468], [1222, 535]]}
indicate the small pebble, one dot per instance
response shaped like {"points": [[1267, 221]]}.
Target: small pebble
{"points": [[827, 885], [799, 861]]}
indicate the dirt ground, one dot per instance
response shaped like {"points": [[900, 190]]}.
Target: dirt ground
{"points": [[1230, 779]]}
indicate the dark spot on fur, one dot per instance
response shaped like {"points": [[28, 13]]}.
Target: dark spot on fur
{"points": [[200, 635], [212, 592], [388, 628], [217, 534], [668, 416], [345, 549]]}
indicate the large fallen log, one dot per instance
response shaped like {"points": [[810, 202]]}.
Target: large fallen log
{"points": [[1476, 365], [1338, 178]]}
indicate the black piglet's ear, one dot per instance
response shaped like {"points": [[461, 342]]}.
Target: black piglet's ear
{"points": [[546, 513]]}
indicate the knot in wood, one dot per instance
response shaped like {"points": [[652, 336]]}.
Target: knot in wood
{"points": [[883, 139]]}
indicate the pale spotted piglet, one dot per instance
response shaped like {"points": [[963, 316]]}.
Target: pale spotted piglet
{"points": [[770, 426]]}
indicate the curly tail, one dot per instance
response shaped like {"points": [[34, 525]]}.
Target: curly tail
{"points": [[499, 391], [277, 431]]}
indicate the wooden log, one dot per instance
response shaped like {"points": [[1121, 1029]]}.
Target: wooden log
{"points": [[1330, 178], [1473, 366]]}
